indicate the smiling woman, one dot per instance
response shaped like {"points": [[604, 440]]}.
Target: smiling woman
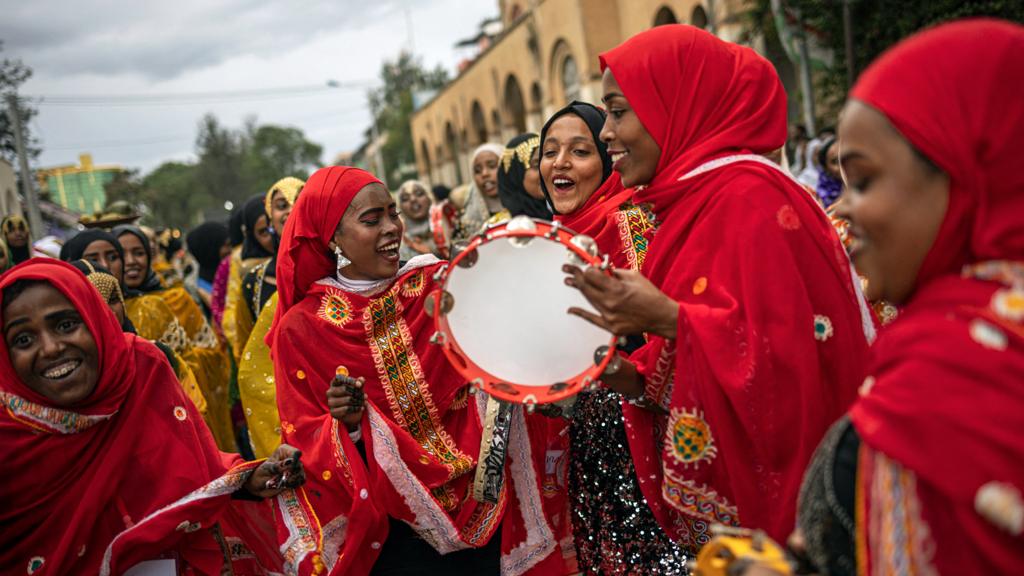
{"points": [[77, 389]]}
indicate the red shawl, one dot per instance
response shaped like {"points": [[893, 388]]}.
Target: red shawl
{"points": [[421, 430], [772, 332], [132, 474], [621, 229], [940, 420]]}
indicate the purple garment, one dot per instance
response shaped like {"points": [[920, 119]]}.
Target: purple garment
{"points": [[829, 189], [219, 293]]}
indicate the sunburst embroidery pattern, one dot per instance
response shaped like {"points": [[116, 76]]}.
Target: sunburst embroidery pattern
{"points": [[335, 308], [689, 437]]}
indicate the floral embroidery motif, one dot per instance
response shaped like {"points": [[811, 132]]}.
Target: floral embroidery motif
{"points": [[413, 285], [689, 437], [634, 225], [35, 564], [987, 335], [700, 506], [700, 285], [180, 413], [1008, 303], [1001, 504], [335, 308], [404, 384], [50, 419], [175, 337], [822, 328], [787, 218], [205, 338]]}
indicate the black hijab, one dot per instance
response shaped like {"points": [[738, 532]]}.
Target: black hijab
{"points": [[75, 247], [150, 283], [594, 118], [235, 234], [515, 161], [251, 212], [205, 242]]}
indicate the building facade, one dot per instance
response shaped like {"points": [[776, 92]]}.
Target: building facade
{"points": [[545, 57], [78, 188]]}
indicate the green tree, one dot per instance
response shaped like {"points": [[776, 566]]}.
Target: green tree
{"points": [[273, 152], [172, 195], [219, 172], [14, 73], [393, 103], [876, 25]]}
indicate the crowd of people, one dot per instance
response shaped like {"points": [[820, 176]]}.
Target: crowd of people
{"points": [[827, 353]]}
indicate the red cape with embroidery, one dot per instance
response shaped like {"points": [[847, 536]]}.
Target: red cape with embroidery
{"points": [[942, 446], [132, 474], [421, 430], [771, 336]]}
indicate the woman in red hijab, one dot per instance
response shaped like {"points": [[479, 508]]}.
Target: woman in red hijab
{"points": [[757, 332], [386, 425], [929, 478], [109, 463]]}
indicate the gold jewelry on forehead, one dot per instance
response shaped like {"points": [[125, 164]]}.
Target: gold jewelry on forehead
{"points": [[289, 187], [523, 151]]}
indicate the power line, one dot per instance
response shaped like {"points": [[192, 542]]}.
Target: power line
{"points": [[190, 98]]}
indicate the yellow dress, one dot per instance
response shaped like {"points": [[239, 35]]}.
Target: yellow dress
{"points": [[238, 321], [155, 320], [256, 386]]}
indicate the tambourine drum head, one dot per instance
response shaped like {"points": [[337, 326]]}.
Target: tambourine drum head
{"points": [[510, 318]]}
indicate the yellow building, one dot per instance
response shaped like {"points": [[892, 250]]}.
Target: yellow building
{"points": [[545, 57], [79, 188]]}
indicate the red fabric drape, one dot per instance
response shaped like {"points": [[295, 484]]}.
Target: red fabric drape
{"points": [[421, 431], [133, 473], [620, 229], [771, 335], [946, 397]]}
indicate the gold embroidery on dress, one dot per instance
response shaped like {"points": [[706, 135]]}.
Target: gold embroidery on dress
{"points": [[404, 383], [634, 224]]}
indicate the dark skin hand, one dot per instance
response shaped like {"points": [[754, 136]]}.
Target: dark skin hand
{"points": [[627, 303], [346, 400], [281, 471]]}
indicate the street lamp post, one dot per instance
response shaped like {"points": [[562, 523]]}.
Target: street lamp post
{"points": [[35, 221]]}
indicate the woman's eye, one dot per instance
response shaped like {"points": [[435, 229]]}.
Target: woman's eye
{"points": [[616, 113], [68, 325], [21, 340]]}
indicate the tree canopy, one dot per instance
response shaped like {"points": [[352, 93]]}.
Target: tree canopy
{"points": [[232, 165]]}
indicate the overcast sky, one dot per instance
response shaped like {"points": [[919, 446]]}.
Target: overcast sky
{"points": [[108, 47]]}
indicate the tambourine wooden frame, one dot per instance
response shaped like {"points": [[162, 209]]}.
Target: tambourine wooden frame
{"points": [[480, 378]]}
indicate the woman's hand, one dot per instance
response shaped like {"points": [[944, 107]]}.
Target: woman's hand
{"points": [[626, 302], [281, 471], [346, 400]]}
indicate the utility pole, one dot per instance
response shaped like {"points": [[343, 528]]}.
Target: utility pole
{"points": [[378, 157], [851, 72], [35, 221]]}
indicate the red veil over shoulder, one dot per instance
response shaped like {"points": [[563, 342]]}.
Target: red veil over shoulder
{"points": [[942, 437], [132, 474], [421, 431], [772, 330]]}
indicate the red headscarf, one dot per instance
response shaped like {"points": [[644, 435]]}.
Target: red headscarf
{"points": [[303, 257], [130, 474], [772, 334], [943, 413], [421, 430]]}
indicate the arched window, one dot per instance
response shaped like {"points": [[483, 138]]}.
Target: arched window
{"points": [[425, 157], [514, 105], [476, 116], [664, 16], [570, 79], [699, 17], [496, 123], [453, 150]]}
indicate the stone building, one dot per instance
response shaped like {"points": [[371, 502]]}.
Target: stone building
{"points": [[545, 56]]}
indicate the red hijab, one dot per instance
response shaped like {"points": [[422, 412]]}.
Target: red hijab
{"points": [[129, 475], [953, 421], [421, 430], [772, 333]]}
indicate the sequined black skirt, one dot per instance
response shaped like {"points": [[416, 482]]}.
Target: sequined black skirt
{"points": [[615, 532]]}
